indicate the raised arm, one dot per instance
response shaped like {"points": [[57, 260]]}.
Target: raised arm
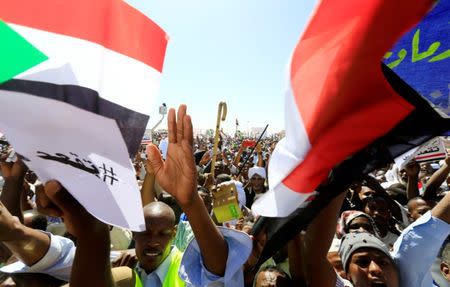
{"points": [[260, 162], [319, 235], [297, 262], [412, 171], [12, 190], [442, 209], [92, 238], [148, 192], [426, 234], [178, 176], [437, 179], [237, 158], [28, 245]]}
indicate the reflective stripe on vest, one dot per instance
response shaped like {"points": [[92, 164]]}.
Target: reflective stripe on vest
{"points": [[172, 278], [137, 280]]}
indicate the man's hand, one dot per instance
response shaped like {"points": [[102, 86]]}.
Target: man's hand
{"points": [[412, 169], [127, 258], [44, 204], [258, 148], [15, 171], [178, 174], [210, 181], [78, 221]]}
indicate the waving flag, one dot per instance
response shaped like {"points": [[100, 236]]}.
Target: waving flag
{"points": [[103, 56], [339, 101], [84, 76], [346, 114]]}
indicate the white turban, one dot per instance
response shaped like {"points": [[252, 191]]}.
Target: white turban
{"points": [[261, 171]]}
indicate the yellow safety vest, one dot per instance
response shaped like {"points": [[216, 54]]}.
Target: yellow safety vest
{"points": [[172, 278]]}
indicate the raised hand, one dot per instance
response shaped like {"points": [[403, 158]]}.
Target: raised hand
{"points": [[178, 174], [412, 169]]}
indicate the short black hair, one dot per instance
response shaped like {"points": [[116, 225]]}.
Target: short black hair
{"points": [[39, 222]]}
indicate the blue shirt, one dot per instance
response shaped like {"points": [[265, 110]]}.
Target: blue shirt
{"points": [[417, 248]]}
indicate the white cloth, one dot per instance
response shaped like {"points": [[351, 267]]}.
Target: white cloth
{"points": [[261, 171], [341, 282]]}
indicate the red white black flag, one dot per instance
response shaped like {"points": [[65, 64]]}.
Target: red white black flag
{"points": [[79, 113]]}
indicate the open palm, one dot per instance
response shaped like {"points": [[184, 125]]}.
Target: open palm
{"points": [[178, 174]]}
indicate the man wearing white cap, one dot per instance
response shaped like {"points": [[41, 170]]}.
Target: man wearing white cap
{"points": [[257, 178]]}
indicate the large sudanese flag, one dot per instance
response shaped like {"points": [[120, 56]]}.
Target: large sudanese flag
{"points": [[77, 81], [346, 112]]}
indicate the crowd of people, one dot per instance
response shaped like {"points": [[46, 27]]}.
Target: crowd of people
{"points": [[390, 228]]}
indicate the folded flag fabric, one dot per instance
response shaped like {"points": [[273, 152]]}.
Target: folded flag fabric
{"points": [[79, 80], [346, 113]]}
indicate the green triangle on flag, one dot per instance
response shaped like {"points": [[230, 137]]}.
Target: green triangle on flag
{"points": [[16, 54]]}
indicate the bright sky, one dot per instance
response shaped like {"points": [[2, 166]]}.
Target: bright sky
{"points": [[235, 51]]}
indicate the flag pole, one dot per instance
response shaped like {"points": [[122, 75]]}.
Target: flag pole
{"points": [[253, 149], [221, 115]]}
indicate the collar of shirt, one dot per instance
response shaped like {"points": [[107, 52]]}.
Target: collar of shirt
{"points": [[161, 271]]}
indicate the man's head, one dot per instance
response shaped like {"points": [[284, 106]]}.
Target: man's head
{"points": [[403, 176], [417, 207], [272, 277], [153, 245], [257, 177], [222, 178], [221, 168], [365, 192], [426, 170], [367, 262], [35, 220], [378, 208], [445, 260], [356, 221]]}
